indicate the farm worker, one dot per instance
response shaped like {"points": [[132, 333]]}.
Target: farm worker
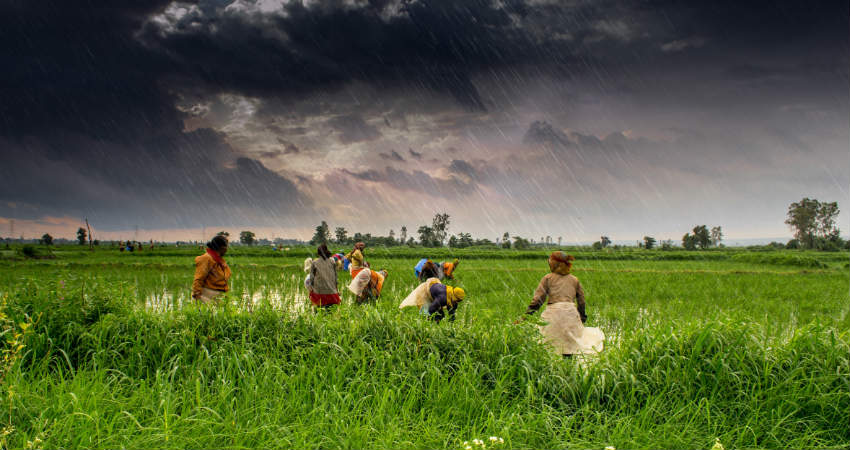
{"points": [[339, 260], [308, 264], [426, 269], [211, 272], [356, 258], [431, 297], [323, 280], [367, 284], [565, 313]]}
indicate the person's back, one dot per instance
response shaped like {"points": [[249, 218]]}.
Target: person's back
{"points": [[324, 276]]}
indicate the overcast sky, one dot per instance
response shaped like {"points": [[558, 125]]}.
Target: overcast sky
{"points": [[536, 117]]}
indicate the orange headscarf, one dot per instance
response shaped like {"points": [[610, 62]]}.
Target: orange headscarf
{"points": [[560, 262]]}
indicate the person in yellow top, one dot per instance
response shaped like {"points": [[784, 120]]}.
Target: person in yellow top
{"points": [[356, 257], [212, 274]]}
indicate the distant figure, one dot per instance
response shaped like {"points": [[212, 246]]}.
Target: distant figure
{"points": [[340, 261], [121, 246], [356, 257], [426, 269], [433, 297], [565, 313], [212, 274], [323, 280], [367, 284]]}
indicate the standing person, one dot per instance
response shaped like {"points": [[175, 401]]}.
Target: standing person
{"points": [[356, 257], [323, 279], [212, 274], [433, 297], [565, 313], [367, 284]]}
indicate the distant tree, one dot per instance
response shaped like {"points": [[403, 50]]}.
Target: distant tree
{"points": [[716, 236], [223, 233], [426, 236], [46, 239], [701, 236], [597, 245], [826, 219], [559, 241], [483, 242], [793, 244], [649, 242], [411, 242], [322, 234], [667, 244], [392, 237], [96, 242], [341, 235], [403, 237], [506, 240], [521, 243], [453, 242], [807, 217], [689, 242], [465, 240], [247, 237], [81, 236], [605, 241], [440, 226]]}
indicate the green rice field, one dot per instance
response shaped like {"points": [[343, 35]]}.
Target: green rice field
{"points": [[104, 350]]}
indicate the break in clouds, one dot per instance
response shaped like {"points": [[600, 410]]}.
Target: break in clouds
{"points": [[571, 119]]}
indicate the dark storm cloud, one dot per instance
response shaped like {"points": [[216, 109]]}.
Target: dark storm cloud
{"points": [[393, 156], [89, 119], [415, 155], [352, 128]]}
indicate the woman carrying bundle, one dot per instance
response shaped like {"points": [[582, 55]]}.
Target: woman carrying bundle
{"points": [[565, 313], [367, 284], [433, 297], [212, 274], [323, 280]]}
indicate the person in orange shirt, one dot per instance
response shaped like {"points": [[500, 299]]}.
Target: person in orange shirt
{"points": [[212, 274], [367, 285]]}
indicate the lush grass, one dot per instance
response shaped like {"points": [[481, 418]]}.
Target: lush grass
{"points": [[742, 348]]}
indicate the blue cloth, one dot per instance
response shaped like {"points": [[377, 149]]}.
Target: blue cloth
{"points": [[345, 263], [418, 268], [438, 302]]}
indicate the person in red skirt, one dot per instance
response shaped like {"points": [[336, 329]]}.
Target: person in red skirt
{"points": [[323, 280]]}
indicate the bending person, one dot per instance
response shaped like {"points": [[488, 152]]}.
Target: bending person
{"points": [[565, 313], [434, 299], [323, 280], [367, 284], [426, 269], [212, 274]]}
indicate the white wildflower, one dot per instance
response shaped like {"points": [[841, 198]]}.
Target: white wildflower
{"points": [[717, 445]]}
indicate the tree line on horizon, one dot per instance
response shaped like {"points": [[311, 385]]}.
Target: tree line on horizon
{"points": [[813, 222]]}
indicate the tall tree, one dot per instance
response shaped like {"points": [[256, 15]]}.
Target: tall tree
{"points": [[392, 237], [403, 237], [648, 242], [426, 236], [46, 239], [559, 241], [701, 236], [826, 220], [802, 217], [440, 226], [605, 241], [322, 234], [247, 237], [506, 240], [81, 236], [716, 236], [689, 242], [341, 235]]}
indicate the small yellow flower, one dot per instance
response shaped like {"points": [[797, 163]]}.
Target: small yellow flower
{"points": [[717, 445], [610, 447]]}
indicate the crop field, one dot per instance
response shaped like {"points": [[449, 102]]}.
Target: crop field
{"points": [[104, 350]]}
